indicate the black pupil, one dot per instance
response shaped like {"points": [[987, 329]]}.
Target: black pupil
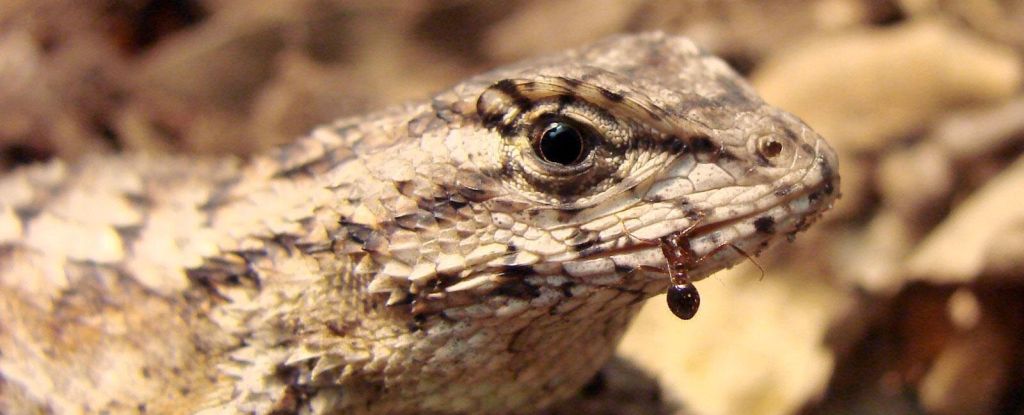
{"points": [[561, 143]]}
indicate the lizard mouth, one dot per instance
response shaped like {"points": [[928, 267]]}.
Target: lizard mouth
{"points": [[714, 245]]}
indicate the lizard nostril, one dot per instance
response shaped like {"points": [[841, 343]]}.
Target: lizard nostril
{"points": [[769, 147]]}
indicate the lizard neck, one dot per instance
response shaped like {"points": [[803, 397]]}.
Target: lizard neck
{"points": [[390, 361]]}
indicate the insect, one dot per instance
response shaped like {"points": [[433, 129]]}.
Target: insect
{"points": [[682, 296]]}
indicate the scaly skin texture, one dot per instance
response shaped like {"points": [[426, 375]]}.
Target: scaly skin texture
{"points": [[424, 259]]}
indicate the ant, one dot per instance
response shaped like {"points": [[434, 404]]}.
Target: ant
{"points": [[682, 296]]}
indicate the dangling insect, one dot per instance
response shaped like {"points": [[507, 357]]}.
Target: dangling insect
{"points": [[682, 296]]}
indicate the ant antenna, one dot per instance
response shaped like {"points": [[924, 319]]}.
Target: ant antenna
{"points": [[751, 258], [737, 249]]}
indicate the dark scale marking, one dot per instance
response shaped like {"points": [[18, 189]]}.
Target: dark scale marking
{"points": [[828, 188], [128, 234], [475, 192], [784, 191], [509, 87], [287, 242], [490, 119], [584, 244], [807, 147], [340, 328], [594, 250], [442, 281], [457, 203], [507, 130], [26, 213], [421, 124], [611, 96], [451, 115], [415, 325], [703, 144], [565, 100], [675, 145], [358, 233], [517, 288], [815, 196], [765, 225], [517, 271], [140, 200], [570, 211], [309, 168], [653, 198], [219, 198], [511, 248], [571, 83], [567, 289], [829, 173], [726, 155], [414, 221], [421, 309], [506, 206], [445, 213], [407, 300], [715, 238]]}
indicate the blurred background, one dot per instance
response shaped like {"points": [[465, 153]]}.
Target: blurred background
{"points": [[908, 298]]}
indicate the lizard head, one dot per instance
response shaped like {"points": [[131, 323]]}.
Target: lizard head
{"points": [[519, 212], [576, 164]]}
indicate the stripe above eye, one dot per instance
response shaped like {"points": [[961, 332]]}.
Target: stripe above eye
{"points": [[611, 96]]}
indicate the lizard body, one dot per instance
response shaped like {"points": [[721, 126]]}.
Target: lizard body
{"points": [[473, 253]]}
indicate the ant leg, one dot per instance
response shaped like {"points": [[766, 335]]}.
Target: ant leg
{"points": [[693, 225], [735, 248], [649, 268]]}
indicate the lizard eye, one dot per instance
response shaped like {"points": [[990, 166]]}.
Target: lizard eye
{"points": [[562, 142]]}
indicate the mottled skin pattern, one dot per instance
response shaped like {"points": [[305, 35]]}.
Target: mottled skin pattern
{"points": [[419, 260]]}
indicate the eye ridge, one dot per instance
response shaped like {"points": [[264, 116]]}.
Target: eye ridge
{"points": [[562, 142]]}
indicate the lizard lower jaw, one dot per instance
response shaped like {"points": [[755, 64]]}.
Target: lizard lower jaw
{"points": [[747, 234], [752, 234]]}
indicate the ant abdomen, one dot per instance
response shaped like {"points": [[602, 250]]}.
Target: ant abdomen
{"points": [[683, 300]]}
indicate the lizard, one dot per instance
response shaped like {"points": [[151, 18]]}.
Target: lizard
{"points": [[481, 251]]}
